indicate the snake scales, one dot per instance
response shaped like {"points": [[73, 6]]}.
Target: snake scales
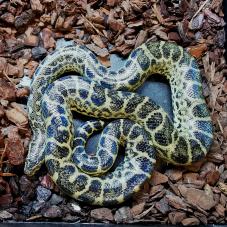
{"points": [[141, 125]]}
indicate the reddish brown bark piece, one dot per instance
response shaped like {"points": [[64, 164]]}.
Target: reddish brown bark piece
{"points": [[174, 174], [102, 214], [201, 198], [15, 151], [36, 6], [198, 50], [158, 178], [16, 116], [47, 182], [190, 221], [123, 215], [176, 217], [212, 177], [137, 209], [7, 90], [31, 40], [47, 37]]}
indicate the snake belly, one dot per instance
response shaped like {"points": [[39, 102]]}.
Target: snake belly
{"points": [[103, 93]]}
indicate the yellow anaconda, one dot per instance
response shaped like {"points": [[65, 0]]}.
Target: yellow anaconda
{"points": [[141, 125]]}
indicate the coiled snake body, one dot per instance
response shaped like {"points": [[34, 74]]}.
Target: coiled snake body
{"points": [[141, 126]]}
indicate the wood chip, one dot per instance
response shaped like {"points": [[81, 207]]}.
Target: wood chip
{"points": [[158, 178]]}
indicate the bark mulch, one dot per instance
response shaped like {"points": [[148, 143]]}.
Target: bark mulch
{"points": [[29, 31]]}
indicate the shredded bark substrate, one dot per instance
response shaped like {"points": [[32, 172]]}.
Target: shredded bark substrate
{"points": [[191, 195]]}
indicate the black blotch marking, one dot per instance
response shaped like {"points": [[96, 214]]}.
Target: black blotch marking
{"points": [[143, 61], [185, 59], [166, 50], [68, 57], [128, 63], [194, 64], [205, 140], [112, 191], [103, 69], [61, 110], [62, 136], [89, 168], [116, 102], [58, 98], [63, 179], [133, 103], [197, 153], [146, 109], [143, 146], [135, 53], [51, 131], [80, 182], [50, 147], [72, 91], [200, 110], [126, 126], [153, 47], [193, 75], [205, 126], [95, 188], [45, 110], [145, 164], [83, 93], [121, 71], [62, 152], [154, 121], [98, 96], [89, 73], [137, 179], [88, 129], [94, 57], [176, 53], [78, 142], [180, 154], [135, 79], [52, 165], [163, 137], [53, 63], [86, 199], [136, 131], [106, 84]]}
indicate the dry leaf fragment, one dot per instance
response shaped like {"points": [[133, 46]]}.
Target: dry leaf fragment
{"points": [[198, 50]]}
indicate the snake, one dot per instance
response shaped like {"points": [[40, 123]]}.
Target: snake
{"points": [[135, 122]]}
